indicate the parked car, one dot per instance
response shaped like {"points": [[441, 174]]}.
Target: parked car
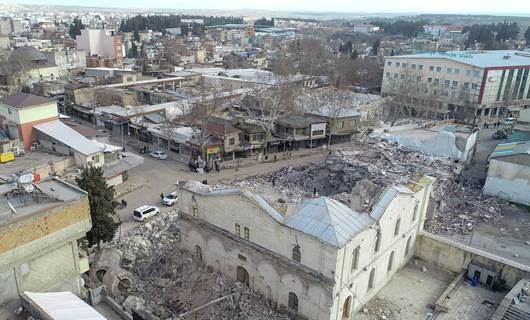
{"points": [[144, 212], [159, 155], [509, 121], [170, 199]]}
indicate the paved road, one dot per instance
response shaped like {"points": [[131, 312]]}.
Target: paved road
{"points": [[160, 176]]}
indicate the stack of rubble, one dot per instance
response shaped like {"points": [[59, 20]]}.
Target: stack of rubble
{"points": [[379, 309], [458, 204], [172, 283]]}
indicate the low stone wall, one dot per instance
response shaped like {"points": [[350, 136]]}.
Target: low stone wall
{"points": [[454, 256]]}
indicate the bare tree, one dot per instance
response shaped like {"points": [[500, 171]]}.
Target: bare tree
{"points": [[267, 104]]}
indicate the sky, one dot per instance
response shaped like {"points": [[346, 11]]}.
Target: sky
{"points": [[519, 7]]}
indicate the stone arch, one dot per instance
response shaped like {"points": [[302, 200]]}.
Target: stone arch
{"points": [[243, 276], [268, 293], [268, 277], [291, 283], [216, 252], [195, 239], [346, 308]]}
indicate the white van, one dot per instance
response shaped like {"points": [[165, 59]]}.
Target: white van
{"points": [[144, 212]]}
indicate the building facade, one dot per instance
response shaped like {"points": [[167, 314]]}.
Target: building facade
{"points": [[461, 84], [100, 43], [321, 261]]}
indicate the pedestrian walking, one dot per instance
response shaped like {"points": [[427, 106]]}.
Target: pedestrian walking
{"points": [[162, 195]]}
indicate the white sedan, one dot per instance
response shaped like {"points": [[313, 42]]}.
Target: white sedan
{"points": [[159, 155]]}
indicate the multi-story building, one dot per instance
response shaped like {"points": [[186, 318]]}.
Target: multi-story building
{"points": [[317, 260], [365, 28], [40, 225], [101, 43], [67, 60], [461, 84], [20, 113]]}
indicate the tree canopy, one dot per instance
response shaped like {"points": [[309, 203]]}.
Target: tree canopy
{"points": [[490, 34], [75, 28], [264, 22], [527, 36], [401, 27], [102, 204]]}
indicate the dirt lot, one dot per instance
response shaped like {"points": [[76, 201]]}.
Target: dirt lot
{"points": [[410, 295]]}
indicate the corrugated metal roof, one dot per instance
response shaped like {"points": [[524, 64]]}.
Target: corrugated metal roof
{"points": [[62, 306], [509, 149], [329, 220], [381, 205], [68, 136]]}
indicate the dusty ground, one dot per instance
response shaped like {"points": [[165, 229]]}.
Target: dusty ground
{"points": [[410, 295]]}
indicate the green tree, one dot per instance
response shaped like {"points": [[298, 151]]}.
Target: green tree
{"points": [[527, 36], [75, 28], [133, 52], [102, 205], [136, 36]]}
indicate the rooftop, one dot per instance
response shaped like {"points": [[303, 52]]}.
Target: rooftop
{"points": [[23, 100], [15, 203], [510, 149], [68, 136], [481, 59]]}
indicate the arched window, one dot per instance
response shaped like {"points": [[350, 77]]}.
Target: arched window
{"points": [[371, 279], [198, 252], [415, 214], [238, 229], [292, 303], [377, 242], [407, 248], [346, 308], [390, 261], [396, 230], [297, 255], [355, 258], [247, 233]]}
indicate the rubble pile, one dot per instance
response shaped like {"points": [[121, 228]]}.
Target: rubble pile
{"points": [[379, 309], [170, 282], [373, 164]]}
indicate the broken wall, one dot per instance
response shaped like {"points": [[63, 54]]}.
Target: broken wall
{"points": [[510, 181]]}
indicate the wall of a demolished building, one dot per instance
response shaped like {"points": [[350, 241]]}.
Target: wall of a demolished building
{"points": [[508, 180], [355, 283]]}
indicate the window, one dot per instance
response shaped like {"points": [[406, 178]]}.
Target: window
{"points": [[398, 64], [292, 302], [457, 71], [431, 68], [447, 83], [402, 76], [436, 81], [387, 74], [340, 124], [466, 85], [297, 255], [415, 213], [396, 229], [395, 75], [390, 261], [355, 258], [445, 93], [371, 279], [438, 69], [198, 253], [476, 74], [195, 212], [9, 111], [238, 229], [429, 80], [318, 133], [389, 63], [377, 242], [414, 66], [407, 248], [404, 65], [247, 233], [95, 158], [474, 86], [449, 70], [455, 83], [232, 141], [418, 78], [468, 73], [420, 67]]}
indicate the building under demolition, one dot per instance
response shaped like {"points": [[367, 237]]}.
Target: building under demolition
{"points": [[318, 259]]}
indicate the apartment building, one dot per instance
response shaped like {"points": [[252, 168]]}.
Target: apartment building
{"points": [[101, 43], [463, 84], [319, 259]]}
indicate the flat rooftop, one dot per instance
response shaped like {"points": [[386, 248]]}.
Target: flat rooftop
{"points": [[47, 194], [478, 58], [28, 162]]}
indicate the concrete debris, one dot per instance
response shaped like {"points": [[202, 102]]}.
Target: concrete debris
{"points": [[170, 282], [379, 309], [357, 174]]}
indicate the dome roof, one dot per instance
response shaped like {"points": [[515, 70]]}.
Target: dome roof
{"points": [[26, 55]]}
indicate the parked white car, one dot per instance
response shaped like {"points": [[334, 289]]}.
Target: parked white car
{"points": [[159, 155], [144, 212], [170, 199]]}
